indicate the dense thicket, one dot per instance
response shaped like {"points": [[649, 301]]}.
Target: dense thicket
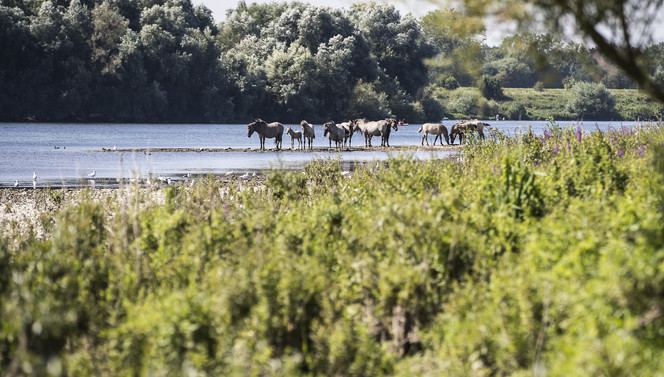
{"points": [[538, 255], [168, 61]]}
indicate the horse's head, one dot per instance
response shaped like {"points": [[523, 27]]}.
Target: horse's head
{"points": [[289, 130], [326, 127], [304, 123], [393, 123], [457, 128]]}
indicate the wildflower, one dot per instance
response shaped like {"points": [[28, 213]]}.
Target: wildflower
{"points": [[643, 153], [555, 148], [493, 169], [578, 133], [620, 152]]}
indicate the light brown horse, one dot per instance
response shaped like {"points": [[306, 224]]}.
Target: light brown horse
{"points": [[349, 127], [308, 132], [462, 128], [376, 128], [294, 135], [435, 129], [264, 130], [335, 132]]}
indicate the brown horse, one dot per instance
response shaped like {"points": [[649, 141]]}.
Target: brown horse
{"points": [[462, 128], [264, 130], [349, 127]]}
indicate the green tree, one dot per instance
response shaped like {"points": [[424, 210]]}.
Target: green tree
{"points": [[591, 101], [490, 87]]}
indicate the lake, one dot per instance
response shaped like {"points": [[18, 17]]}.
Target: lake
{"points": [[64, 154]]}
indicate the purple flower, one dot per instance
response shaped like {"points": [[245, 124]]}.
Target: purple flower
{"points": [[555, 148], [620, 152], [578, 133], [493, 169], [643, 153]]}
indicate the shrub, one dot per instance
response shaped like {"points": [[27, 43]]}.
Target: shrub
{"points": [[490, 87], [539, 86], [591, 101], [366, 101], [464, 103], [515, 110]]}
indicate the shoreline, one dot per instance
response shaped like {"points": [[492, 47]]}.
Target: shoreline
{"points": [[405, 148]]}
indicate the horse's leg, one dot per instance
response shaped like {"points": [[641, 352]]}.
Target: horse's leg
{"points": [[436, 139]]}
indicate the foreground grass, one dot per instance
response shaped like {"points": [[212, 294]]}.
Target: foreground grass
{"points": [[527, 256]]}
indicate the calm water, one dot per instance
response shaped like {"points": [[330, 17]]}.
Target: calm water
{"points": [[26, 148]]}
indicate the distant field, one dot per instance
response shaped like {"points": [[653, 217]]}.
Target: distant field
{"points": [[631, 104]]}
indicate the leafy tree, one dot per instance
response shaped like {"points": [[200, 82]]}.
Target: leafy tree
{"points": [[591, 101], [490, 87]]}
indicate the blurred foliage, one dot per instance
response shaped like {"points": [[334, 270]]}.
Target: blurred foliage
{"points": [[533, 254]]}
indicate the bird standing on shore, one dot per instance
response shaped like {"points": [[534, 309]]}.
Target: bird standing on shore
{"points": [[34, 175], [16, 184], [92, 175]]}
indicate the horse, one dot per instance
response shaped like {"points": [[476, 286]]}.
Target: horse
{"points": [[263, 129], [376, 128], [349, 127], [308, 132], [335, 132], [434, 129], [294, 135], [462, 128]]}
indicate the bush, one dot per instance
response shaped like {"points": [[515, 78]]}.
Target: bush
{"points": [[539, 86], [515, 110], [490, 87], [591, 101], [464, 103], [433, 109]]}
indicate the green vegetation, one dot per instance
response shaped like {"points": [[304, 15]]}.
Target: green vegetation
{"points": [[527, 103], [532, 255], [168, 61]]}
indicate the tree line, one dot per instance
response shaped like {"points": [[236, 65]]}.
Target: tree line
{"points": [[169, 61]]}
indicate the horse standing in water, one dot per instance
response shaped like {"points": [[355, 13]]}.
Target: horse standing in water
{"points": [[350, 130], [335, 132], [435, 129], [264, 130], [294, 135], [308, 133], [376, 128]]}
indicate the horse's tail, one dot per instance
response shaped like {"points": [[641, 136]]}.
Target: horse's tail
{"points": [[420, 130]]}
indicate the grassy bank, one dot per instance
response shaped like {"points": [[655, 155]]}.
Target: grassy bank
{"points": [[536, 255], [465, 103]]}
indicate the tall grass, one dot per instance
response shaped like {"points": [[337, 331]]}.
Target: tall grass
{"points": [[531, 255]]}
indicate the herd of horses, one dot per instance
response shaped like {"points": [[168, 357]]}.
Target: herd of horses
{"points": [[342, 133]]}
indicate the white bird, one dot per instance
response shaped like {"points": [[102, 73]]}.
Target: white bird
{"points": [[16, 183], [253, 175], [345, 173], [168, 181], [161, 179], [92, 175], [245, 176], [34, 175], [114, 148], [192, 182], [228, 173]]}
